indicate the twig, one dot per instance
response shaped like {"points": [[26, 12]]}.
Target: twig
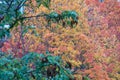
{"points": [[9, 5]]}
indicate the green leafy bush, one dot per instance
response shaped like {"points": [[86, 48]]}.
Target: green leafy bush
{"points": [[33, 66]]}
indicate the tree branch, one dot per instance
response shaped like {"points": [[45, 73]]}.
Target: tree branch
{"points": [[9, 5], [36, 16]]}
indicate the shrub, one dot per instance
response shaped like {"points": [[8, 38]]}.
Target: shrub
{"points": [[33, 66]]}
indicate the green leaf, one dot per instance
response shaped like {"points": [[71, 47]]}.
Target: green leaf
{"points": [[46, 3], [86, 78], [39, 2]]}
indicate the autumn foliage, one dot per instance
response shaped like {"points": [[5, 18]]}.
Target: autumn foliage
{"points": [[91, 48]]}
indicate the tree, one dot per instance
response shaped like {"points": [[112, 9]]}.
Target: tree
{"points": [[103, 19]]}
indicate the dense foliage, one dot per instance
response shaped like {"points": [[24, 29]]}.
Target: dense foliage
{"points": [[82, 37], [33, 66]]}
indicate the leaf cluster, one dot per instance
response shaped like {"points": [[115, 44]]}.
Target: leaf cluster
{"points": [[33, 66], [67, 17], [12, 12]]}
